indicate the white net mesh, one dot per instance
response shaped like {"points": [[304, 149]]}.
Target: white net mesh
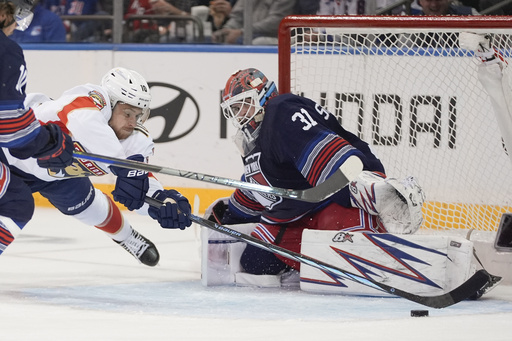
{"points": [[414, 96]]}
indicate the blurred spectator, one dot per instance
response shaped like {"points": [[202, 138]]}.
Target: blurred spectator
{"points": [[154, 31], [215, 12], [307, 7], [165, 7], [82, 30], [505, 10], [266, 16], [141, 31], [46, 27], [220, 11], [441, 7], [436, 8], [342, 7], [56, 6]]}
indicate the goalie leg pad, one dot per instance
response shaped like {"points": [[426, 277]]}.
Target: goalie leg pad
{"points": [[220, 255], [286, 279], [420, 264]]}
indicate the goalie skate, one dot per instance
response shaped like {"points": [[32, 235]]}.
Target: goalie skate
{"points": [[398, 203], [141, 248]]}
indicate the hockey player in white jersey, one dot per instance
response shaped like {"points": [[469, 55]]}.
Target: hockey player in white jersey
{"points": [[105, 119]]}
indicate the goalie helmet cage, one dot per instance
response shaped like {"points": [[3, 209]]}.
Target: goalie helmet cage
{"points": [[403, 85]]}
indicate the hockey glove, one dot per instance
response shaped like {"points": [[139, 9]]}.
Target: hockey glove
{"points": [[221, 214], [173, 213], [131, 185], [58, 153], [218, 211]]}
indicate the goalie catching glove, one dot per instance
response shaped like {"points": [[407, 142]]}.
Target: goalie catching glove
{"points": [[131, 185], [175, 211], [219, 213], [398, 203]]}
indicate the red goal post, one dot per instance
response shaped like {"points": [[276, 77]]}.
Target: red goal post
{"points": [[405, 86]]}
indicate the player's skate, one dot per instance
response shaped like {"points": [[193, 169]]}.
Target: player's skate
{"points": [[141, 248], [398, 203]]}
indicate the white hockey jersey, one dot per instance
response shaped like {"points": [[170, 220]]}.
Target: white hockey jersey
{"points": [[84, 112]]}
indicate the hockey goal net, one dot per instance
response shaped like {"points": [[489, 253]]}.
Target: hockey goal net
{"points": [[404, 86]]}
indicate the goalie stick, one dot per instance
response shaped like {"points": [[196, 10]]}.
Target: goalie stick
{"points": [[480, 282], [347, 172]]}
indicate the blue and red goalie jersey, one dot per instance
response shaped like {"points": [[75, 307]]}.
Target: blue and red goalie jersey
{"points": [[299, 146]]}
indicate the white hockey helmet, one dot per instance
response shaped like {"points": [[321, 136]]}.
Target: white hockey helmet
{"points": [[22, 14], [127, 86]]}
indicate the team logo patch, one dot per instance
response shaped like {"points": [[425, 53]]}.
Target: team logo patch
{"points": [[79, 168], [455, 244], [343, 237], [254, 175], [98, 99]]}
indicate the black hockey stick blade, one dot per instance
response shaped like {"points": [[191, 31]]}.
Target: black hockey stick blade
{"points": [[479, 281], [342, 177]]}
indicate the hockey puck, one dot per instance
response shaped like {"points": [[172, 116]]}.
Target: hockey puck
{"points": [[419, 313]]}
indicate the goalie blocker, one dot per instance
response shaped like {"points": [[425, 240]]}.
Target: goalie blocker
{"points": [[424, 264]]}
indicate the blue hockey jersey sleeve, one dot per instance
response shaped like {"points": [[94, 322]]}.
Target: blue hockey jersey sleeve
{"points": [[18, 125]]}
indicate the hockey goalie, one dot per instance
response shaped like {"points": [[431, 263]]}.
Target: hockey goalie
{"points": [[494, 76], [366, 227]]}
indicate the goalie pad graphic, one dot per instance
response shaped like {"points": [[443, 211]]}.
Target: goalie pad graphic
{"points": [[421, 264], [220, 256]]}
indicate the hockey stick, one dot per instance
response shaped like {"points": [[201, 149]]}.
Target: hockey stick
{"points": [[347, 172], [481, 280]]}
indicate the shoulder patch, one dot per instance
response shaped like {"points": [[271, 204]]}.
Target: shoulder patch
{"points": [[98, 99], [142, 129]]}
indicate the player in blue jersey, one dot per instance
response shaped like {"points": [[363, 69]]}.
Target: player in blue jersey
{"points": [[292, 142], [45, 27], [19, 130]]}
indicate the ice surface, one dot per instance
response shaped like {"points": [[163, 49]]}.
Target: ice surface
{"points": [[62, 280]]}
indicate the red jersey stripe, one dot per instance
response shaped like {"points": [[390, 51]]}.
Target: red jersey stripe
{"points": [[78, 103], [12, 125], [324, 156]]}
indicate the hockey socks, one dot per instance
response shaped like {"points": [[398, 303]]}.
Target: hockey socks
{"points": [[115, 225]]}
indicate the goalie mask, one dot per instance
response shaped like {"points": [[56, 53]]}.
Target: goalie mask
{"points": [[22, 14], [243, 102], [127, 86]]}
